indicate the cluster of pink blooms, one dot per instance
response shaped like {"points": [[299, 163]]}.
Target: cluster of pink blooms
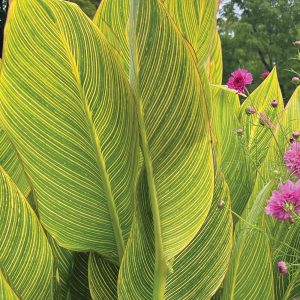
{"points": [[284, 205], [241, 78], [292, 159], [285, 202]]}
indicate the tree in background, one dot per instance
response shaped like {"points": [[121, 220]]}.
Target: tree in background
{"points": [[88, 6], [258, 34]]}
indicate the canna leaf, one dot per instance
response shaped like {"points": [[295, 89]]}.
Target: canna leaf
{"points": [[102, 278], [288, 286], [11, 163], [209, 253], [230, 152], [197, 21], [6, 291], [176, 180], [79, 287], [285, 240], [214, 66], [257, 132], [250, 275], [112, 19], [26, 261], [64, 264], [68, 109]]}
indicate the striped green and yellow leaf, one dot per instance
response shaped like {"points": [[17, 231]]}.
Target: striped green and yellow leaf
{"points": [[6, 291], [284, 240], [230, 149], [103, 277], [26, 262], [112, 19], [79, 287], [258, 133], [209, 253], [250, 275], [176, 182], [69, 111], [214, 66], [197, 21]]}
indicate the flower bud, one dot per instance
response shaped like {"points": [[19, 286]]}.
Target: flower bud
{"points": [[240, 131], [250, 110], [282, 267], [296, 43], [291, 220], [295, 80], [220, 203], [291, 140], [296, 134], [265, 74], [274, 103]]}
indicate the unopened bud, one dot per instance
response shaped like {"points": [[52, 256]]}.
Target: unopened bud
{"points": [[291, 220], [295, 80], [296, 43], [291, 140], [220, 203], [296, 134], [282, 267], [274, 103], [240, 131], [250, 110]]}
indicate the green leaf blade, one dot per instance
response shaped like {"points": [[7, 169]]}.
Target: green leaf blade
{"points": [[72, 98]]}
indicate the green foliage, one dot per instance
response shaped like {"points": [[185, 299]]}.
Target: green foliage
{"points": [[258, 34], [127, 170], [88, 6]]}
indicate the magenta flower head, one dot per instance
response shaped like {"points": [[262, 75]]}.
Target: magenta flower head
{"points": [[292, 159], [282, 267], [239, 80], [284, 203], [265, 74]]}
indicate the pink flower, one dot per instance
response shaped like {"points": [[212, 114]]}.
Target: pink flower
{"points": [[239, 80], [265, 74], [282, 267], [292, 159], [285, 202]]}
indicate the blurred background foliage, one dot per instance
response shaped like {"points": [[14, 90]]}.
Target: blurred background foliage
{"points": [[255, 34], [88, 6], [258, 34]]}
